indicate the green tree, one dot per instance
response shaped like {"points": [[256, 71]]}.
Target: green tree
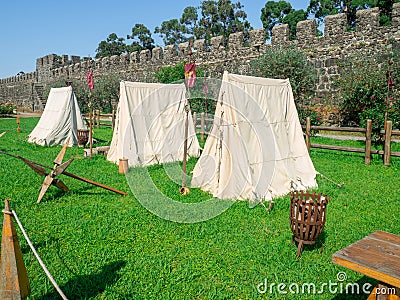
{"points": [[190, 19], [113, 45], [106, 92], [281, 12], [287, 63], [221, 18], [141, 37], [322, 8], [292, 18], [172, 32], [385, 7], [176, 74], [293, 64], [170, 74], [363, 87]]}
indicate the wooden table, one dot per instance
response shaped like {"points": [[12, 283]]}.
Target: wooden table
{"points": [[378, 256]]}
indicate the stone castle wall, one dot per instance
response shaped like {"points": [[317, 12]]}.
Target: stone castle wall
{"points": [[324, 52]]}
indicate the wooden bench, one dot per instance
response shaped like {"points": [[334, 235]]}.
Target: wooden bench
{"points": [[377, 256]]}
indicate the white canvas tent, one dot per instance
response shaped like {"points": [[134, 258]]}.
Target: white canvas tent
{"points": [[255, 149], [150, 124], [60, 120]]}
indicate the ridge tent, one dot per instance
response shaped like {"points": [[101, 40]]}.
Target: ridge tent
{"points": [[60, 120], [150, 124], [255, 149]]}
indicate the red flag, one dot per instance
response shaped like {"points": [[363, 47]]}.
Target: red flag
{"points": [[90, 80], [190, 74]]}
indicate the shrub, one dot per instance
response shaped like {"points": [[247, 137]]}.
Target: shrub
{"points": [[364, 90], [305, 111], [287, 63], [6, 109], [176, 74], [292, 64]]}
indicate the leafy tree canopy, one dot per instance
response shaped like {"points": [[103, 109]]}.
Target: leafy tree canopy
{"points": [[221, 18], [281, 12], [141, 37], [190, 19], [322, 8], [211, 18], [113, 45], [172, 32]]}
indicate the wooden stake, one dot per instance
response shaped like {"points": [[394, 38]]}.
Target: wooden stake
{"points": [[19, 123], [388, 137], [184, 190], [113, 119], [308, 133], [14, 283], [91, 132], [203, 127], [368, 135]]}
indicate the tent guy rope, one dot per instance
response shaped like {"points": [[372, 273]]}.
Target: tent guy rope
{"points": [[14, 214]]}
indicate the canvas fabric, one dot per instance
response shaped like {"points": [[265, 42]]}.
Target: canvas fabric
{"points": [[60, 120], [256, 149], [150, 124]]}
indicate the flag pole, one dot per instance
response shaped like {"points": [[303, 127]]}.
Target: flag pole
{"points": [[190, 76]]}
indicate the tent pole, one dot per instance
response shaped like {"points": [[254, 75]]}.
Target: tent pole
{"points": [[90, 132], [184, 190]]}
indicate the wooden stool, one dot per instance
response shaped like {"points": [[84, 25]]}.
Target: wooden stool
{"points": [[123, 166]]}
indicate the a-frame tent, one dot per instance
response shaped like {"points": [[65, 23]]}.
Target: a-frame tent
{"points": [[256, 149], [60, 120], [150, 124]]}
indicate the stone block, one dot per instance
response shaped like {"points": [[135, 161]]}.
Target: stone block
{"points": [[257, 37], [367, 19], [157, 54], [236, 40], [335, 25], [280, 34]]}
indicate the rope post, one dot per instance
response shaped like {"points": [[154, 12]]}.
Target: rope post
{"points": [[368, 134], [387, 146], [113, 119], [203, 127], [91, 132], [14, 283], [308, 133], [18, 120]]}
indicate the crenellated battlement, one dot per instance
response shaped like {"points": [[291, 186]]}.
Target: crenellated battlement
{"points": [[216, 56]]}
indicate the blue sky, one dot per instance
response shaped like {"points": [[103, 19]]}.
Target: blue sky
{"points": [[32, 29]]}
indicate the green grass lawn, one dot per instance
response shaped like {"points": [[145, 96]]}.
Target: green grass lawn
{"points": [[100, 245]]}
